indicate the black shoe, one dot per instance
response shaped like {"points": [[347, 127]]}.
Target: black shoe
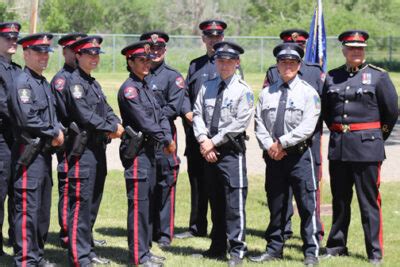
{"points": [[163, 244], [46, 263], [376, 262], [99, 261], [264, 257], [10, 242], [310, 261], [99, 243], [329, 254], [2, 253], [156, 258], [184, 235], [235, 261]]}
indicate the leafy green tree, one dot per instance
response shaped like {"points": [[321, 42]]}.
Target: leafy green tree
{"points": [[5, 14]]}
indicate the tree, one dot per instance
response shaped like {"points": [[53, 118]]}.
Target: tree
{"points": [[5, 14]]}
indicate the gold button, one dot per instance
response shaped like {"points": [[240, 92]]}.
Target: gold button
{"points": [[348, 87]]}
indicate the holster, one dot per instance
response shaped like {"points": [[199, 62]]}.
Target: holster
{"points": [[32, 148], [132, 142], [79, 139], [237, 143]]}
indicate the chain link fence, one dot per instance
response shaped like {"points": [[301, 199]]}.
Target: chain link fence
{"points": [[258, 56]]}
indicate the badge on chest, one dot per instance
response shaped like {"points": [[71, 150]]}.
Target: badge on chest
{"points": [[366, 78]]}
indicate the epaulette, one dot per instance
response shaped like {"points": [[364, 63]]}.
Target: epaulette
{"points": [[376, 68], [171, 68], [197, 59], [15, 64], [243, 82], [312, 65]]}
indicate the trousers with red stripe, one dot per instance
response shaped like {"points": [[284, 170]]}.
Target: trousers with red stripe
{"points": [[86, 175], [140, 180], [62, 170], [167, 168], [32, 196], [366, 178], [6, 187]]}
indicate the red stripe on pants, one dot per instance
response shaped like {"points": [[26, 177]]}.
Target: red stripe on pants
{"points": [[135, 213], [24, 216], [65, 205], [76, 213], [378, 201]]}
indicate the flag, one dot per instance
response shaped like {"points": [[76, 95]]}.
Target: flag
{"points": [[316, 44]]}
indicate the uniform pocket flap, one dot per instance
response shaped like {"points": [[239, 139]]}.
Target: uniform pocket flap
{"points": [[31, 183], [174, 161], [140, 174], [370, 136], [82, 173]]}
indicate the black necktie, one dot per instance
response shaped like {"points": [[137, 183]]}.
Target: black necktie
{"points": [[217, 110], [279, 125]]}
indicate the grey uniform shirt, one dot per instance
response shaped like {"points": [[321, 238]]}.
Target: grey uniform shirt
{"points": [[236, 110], [303, 107]]}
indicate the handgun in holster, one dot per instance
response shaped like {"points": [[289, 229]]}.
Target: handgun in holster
{"points": [[32, 148], [79, 139], [133, 142], [237, 142]]}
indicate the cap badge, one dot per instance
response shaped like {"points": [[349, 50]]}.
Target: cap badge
{"points": [[295, 36], [214, 25], [154, 38], [146, 48], [13, 28], [357, 37], [45, 40], [95, 43]]}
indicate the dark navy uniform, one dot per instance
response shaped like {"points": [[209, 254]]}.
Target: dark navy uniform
{"points": [[168, 87], [222, 112], [88, 108], [296, 115], [360, 108], [8, 73], [313, 75], [31, 106], [58, 84], [140, 110]]}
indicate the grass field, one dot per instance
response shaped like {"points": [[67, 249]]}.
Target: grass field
{"points": [[111, 225]]}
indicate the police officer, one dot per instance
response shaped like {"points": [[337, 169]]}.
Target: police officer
{"points": [[200, 70], [360, 109], [141, 112], [286, 116], [96, 124], [222, 112], [314, 76], [58, 88], [168, 87], [9, 32], [36, 129]]}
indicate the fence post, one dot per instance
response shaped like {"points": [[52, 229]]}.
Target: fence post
{"points": [[390, 48], [113, 52], [262, 55]]}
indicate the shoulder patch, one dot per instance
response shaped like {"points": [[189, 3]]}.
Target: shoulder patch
{"points": [[59, 84], [322, 76], [250, 99], [377, 68], [130, 92], [317, 102], [77, 91], [24, 95], [180, 82]]}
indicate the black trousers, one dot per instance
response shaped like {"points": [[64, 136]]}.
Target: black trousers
{"points": [[32, 197], [6, 187], [366, 178], [62, 170], [167, 169], [227, 187], [140, 180], [295, 171], [316, 150], [198, 191], [86, 175]]}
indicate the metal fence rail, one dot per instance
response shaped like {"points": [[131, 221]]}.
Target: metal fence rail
{"points": [[257, 58]]}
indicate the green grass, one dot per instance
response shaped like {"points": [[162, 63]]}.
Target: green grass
{"points": [[111, 225]]}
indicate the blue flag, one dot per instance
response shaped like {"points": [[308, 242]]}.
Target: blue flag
{"points": [[316, 43]]}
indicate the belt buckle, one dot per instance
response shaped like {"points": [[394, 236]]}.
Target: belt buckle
{"points": [[345, 128]]}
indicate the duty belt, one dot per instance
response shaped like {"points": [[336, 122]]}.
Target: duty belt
{"points": [[343, 128]]}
